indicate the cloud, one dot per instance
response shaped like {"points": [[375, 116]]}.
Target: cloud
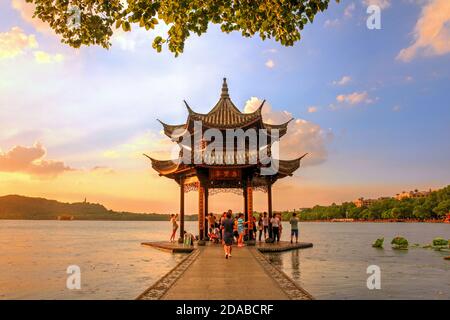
{"points": [[348, 11], [343, 81], [331, 23], [15, 42], [156, 144], [302, 136], [26, 11], [44, 57], [354, 98], [103, 169], [396, 108], [31, 160], [383, 4], [129, 41], [312, 109], [431, 33], [270, 64]]}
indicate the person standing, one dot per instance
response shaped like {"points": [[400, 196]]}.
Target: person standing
{"points": [[212, 222], [270, 225], [173, 220], [265, 225], [294, 227], [280, 226], [275, 228], [235, 228], [222, 219], [241, 230], [227, 235], [261, 227]]}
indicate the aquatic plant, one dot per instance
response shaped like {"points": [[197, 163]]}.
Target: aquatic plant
{"points": [[378, 243], [440, 242], [399, 243]]}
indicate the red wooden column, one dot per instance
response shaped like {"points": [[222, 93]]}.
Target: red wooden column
{"points": [[181, 210], [250, 211], [201, 211], [269, 198], [269, 206], [244, 192], [206, 212]]}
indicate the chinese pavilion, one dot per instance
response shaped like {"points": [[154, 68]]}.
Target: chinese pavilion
{"points": [[209, 177]]}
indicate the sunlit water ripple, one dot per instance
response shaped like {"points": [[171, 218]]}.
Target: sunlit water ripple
{"points": [[34, 257]]}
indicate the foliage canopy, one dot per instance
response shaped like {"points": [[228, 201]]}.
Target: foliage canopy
{"points": [[434, 206], [281, 20]]}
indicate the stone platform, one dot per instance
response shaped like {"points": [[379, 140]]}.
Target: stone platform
{"points": [[175, 247]]}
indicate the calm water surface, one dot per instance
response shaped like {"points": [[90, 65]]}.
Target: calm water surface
{"points": [[335, 268], [34, 256]]}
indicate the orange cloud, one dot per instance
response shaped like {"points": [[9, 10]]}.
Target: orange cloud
{"points": [[270, 64], [31, 160], [14, 42], [343, 81], [312, 109], [431, 33], [46, 58], [354, 98], [26, 12], [302, 136]]}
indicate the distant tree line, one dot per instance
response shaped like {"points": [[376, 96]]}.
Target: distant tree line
{"points": [[434, 206], [14, 207]]}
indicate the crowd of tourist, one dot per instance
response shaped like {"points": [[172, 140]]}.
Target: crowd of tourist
{"points": [[232, 229]]}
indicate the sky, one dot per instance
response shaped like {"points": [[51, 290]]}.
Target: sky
{"points": [[372, 107]]}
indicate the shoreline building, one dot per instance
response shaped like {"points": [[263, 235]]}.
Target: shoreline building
{"points": [[412, 194], [361, 202], [204, 167]]}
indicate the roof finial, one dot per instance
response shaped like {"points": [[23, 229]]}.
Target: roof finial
{"points": [[224, 89]]}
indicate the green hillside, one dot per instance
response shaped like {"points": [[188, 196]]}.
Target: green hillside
{"points": [[15, 207]]}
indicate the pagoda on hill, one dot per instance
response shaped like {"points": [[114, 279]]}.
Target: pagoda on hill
{"points": [[246, 162]]}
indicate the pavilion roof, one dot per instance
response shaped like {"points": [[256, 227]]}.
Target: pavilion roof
{"points": [[170, 168], [224, 115]]}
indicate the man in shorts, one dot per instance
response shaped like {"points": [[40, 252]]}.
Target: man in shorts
{"points": [[294, 227]]}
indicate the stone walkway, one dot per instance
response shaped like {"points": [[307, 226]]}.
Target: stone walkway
{"points": [[244, 276]]}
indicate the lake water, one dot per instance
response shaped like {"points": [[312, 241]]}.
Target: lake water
{"points": [[34, 256]]}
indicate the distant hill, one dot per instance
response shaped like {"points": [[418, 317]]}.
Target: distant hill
{"points": [[15, 207]]}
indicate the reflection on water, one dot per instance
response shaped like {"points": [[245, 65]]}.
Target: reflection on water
{"points": [[335, 268], [34, 256]]}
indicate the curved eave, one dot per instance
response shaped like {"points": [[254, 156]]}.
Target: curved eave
{"points": [[282, 128], [173, 131], [288, 167], [165, 167]]}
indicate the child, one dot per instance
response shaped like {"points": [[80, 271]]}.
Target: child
{"points": [[241, 230]]}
